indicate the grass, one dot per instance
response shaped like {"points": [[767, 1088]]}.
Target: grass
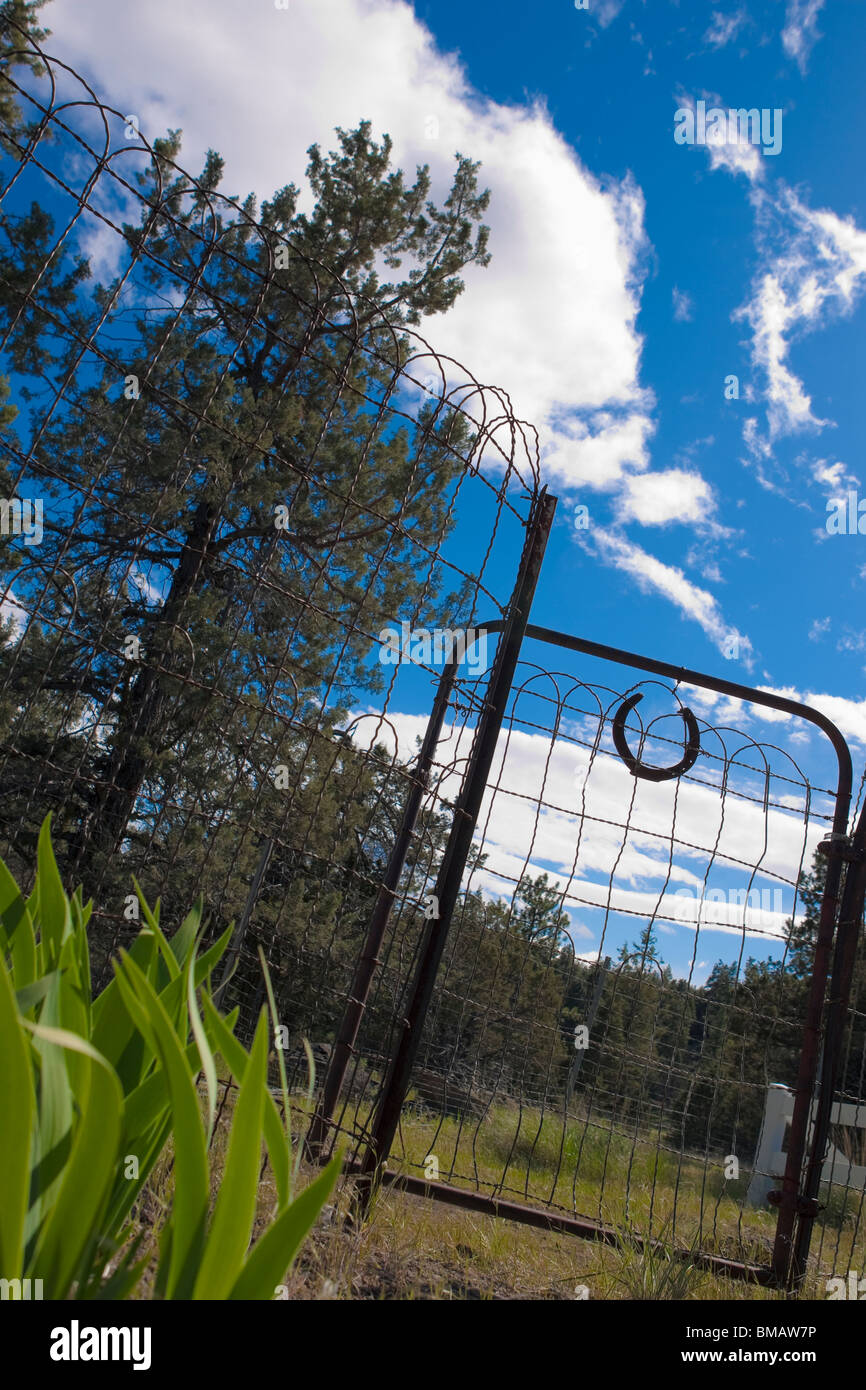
{"points": [[412, 1248]]}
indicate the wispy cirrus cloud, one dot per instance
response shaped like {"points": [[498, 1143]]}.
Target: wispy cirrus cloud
{"points": [[728, 143], [816, 268], [683, 307], [723, 28], [800, 33], [606, 11], [654, 576]]}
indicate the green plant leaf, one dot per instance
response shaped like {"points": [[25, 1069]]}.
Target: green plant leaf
{"points": [[231, 1228], [52, 1135], [281, 1061], [186, 937], [114, 1031], [16, 930], [189, 1208], [17, 1106], [146, 1127], [34, 993], [68, 1229], [274, 1251], [206, 1056], [224, 1042], [55, 921]]}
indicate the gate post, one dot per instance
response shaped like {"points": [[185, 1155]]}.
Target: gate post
{"points": [[379, 918], [853, 852], [791, 1201], [450, 876]]}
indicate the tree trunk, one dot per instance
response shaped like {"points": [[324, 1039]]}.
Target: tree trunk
{"points": [[142, 715]]}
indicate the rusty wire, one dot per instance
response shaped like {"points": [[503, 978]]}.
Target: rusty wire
{"points": [[639, 1134], [674, 1080], [266, 656]]}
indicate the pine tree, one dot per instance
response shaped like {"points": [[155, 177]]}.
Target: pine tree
{"points": [[233, 506]]}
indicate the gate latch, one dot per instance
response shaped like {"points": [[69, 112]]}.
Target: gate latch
{"points": [[844, 846], [804, 1206]]}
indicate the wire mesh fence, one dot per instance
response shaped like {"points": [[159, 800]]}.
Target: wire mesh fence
{"points": [[249, 471], [250, 515], [564, 1062]]}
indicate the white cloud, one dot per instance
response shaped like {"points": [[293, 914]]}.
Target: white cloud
{"points": [[817, 266], [552, 320], [849, 716], [800, 33], [820, 627], [727, 142], [736, 155], [653, 575], [834, 476], [654, 499], [154, 594], [13, 618], [683, 306], [612, 844], [599, 455], [606, 11], [724, 27]]}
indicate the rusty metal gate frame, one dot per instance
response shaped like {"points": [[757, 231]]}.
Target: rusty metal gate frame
{"points": [[841, 912]]}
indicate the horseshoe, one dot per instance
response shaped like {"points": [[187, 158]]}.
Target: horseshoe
{"points": [[655, 774]]}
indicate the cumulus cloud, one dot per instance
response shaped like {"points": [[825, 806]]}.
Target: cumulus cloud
{"points": [[848, 715], [601, 453], [800, 33], [655, 499], [552, 321], [570, 808]]}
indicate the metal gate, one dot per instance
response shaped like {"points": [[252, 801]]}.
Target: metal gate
{"points": [[561, 1087], [557, 1087]]}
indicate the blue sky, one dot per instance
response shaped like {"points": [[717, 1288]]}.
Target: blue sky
{"points": [[630, 277]]}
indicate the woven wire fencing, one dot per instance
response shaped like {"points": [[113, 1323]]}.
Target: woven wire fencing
{"points": [[565, 1064], [838, 1244], [245, 470], [245, 465]]}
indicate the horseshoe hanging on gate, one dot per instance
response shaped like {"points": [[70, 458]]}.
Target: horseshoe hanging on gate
{"points": [[655, 774]]}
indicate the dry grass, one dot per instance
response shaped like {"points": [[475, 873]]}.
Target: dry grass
{"points": [[413, 1248]]}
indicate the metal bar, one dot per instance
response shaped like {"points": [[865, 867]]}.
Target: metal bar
{"points": [[790, 1200], [847, 937], [459, 843], [368, 961], [238, 939], [558, 1222], [793, 1204], [684, 675]]}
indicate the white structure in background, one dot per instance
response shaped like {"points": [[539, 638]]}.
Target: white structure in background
{"points": [[771, 1157]]}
